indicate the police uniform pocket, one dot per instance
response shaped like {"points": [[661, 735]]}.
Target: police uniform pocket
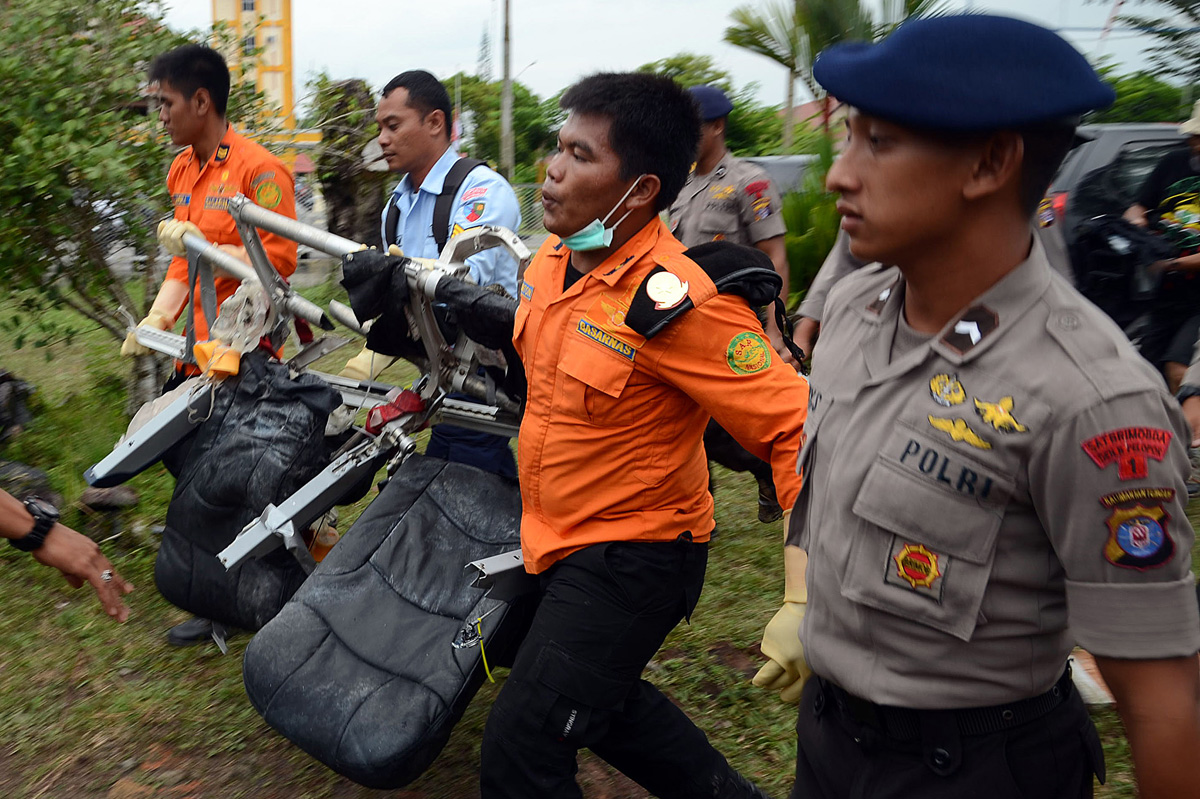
{"points": [[931, 517], [592, 382], [720, 222]]}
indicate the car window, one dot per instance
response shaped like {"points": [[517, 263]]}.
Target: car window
{"points": [[1066, 170], [1134, 163]]}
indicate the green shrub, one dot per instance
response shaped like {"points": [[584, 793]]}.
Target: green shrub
{"points": [[812, 223]]}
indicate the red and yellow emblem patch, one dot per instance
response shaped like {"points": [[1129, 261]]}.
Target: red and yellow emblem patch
{"points": [[917, 566]]}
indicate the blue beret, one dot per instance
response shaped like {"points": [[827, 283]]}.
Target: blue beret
{"points": [[966, 72], [711, 101]]}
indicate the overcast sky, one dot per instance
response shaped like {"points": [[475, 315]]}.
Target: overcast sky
{"points": [[557, 41]]}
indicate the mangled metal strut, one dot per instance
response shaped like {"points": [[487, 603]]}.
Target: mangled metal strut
{"points": [[446, 368]]}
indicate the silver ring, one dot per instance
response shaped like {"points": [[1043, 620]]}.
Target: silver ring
{"points": [[106, 575]]}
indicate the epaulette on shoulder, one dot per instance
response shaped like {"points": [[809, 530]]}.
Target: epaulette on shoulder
{"points": [[1102, 356], [733, 268]]}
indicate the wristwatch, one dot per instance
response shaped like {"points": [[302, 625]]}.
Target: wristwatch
{"points": [[45, 516]]}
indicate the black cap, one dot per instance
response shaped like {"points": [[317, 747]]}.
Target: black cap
{"points": [[965, 72], [711, 101]]}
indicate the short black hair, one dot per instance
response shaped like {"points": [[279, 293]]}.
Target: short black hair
{"points": [[425, 94], [192, 67], [655, 127]]}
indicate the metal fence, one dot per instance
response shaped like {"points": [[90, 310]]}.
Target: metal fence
{"points": [[529, 195]]}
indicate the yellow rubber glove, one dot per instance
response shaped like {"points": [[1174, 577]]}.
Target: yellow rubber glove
{"points": [[787, 670], [366, 365], [157, 319], [170, 235]]}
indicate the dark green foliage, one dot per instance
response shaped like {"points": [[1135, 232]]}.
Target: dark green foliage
{"points": [[1142, 97], [812, 223], [751, 128]]}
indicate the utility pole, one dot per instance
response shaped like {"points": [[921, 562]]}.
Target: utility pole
{"points": [[507, 150]]}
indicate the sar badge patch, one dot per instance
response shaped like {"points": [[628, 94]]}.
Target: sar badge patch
{"points": [[1137, 533], [748, 353], [947, 391], [268, 194]]}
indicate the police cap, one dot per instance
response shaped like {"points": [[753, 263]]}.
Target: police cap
{"points": [[965, 72], [711, 101]]}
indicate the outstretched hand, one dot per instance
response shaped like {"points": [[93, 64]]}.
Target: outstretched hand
{"points": [[80, 560]]}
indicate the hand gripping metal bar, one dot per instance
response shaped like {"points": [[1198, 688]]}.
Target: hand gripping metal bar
{"points": [[287, 301]]}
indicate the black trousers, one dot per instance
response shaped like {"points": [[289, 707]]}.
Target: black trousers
{"points": [[838, 757], [576, 680]]}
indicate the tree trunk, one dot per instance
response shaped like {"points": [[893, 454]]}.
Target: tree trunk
{"points": [[146, 380], [788, 112]]}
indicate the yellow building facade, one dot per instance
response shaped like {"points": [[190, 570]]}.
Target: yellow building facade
{"points": [[265, 24]]}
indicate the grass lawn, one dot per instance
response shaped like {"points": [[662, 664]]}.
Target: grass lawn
{"points": [[96, 709]]}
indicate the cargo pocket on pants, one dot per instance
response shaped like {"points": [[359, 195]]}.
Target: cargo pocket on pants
{"points": [[575, 691]]}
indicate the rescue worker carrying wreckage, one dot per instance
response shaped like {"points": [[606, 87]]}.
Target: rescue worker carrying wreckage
{"points": [[628, 346], [191, 84], [440, 195]]}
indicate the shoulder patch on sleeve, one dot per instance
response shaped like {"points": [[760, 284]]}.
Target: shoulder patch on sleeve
{"points": [[1128, 447], [756, 188], [748, 353], [1137, 529], [658, 300], [473, 194], [268, 194], [263, 176]]}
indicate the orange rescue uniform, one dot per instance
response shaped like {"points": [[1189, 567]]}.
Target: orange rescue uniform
{"points": [[611, 444], [200, 193]]}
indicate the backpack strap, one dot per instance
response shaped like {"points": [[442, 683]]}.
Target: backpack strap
{"points": [[389, 227], [734, 269], [445, 200]]}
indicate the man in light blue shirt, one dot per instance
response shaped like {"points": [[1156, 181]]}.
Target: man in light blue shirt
{"points": [[414, 116], [483, 198]]}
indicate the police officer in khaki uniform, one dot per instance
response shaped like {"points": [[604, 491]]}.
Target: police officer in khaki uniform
{"points": [[728, 199], [992, 473]]}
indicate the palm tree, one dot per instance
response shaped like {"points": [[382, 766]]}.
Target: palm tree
{"points": [[793, 33], [778, 34]]}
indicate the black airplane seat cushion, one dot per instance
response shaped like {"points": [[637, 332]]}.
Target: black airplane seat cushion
{"points": [[374, 660], [262, 439]]}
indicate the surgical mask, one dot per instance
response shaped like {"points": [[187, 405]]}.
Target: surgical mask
{"points": [[594, 235]]}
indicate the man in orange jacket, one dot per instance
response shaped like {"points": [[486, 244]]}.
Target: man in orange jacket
{"points": [[629, 348], [191, 85]]}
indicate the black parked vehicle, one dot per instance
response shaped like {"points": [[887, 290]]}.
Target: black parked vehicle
{"points": [[1104, 171], [1110, 257]]}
